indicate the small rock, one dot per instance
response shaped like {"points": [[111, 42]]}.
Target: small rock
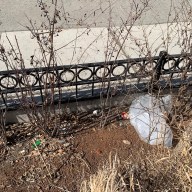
{"points": [[61, 141], [44, 155], [66, 144], [54, 154], [22, 152], [126, 142], [60, 151], [120, 124], [98, 152]]}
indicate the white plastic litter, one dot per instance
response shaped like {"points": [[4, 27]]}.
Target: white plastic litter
{"points": [[147, 116]]}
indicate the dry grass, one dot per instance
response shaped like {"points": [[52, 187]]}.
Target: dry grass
{"points": [[157, 170], [105, 179]]}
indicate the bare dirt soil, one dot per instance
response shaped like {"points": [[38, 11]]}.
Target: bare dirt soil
{"points": [[61, 165]]}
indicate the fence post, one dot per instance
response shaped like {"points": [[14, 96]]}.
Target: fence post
{"points": [[158, 70]]}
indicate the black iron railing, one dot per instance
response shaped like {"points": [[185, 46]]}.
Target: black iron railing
{"points": [[75, 82]]}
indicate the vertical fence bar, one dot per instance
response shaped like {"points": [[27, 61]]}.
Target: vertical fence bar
{"points": [[40, 86], [76, 81], [161, 61], [125, 76], [158, 70], [109, 78], [59, 87], [93, 80]]}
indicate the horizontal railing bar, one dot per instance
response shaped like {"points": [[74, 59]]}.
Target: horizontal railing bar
{"points": [[97, 64]]}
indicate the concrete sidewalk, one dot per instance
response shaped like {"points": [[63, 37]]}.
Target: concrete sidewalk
{"points": [[89, 33], [14, 14], [77, 46]]}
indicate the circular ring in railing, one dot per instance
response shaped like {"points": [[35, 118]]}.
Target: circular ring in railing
{"points": [[85, 74], [8, 82], [48, 77], [134, 68], [183, 63], [67, 75], [169, 65], [29, 79], [150, 66], [118, 70], [102, 72]]}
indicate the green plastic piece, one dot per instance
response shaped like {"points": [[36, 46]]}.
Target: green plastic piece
{"points": [[37, 143]]}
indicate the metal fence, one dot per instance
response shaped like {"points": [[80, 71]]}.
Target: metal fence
{"points": [[75, 82]]}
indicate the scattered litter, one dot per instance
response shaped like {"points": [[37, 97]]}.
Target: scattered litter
{"points": [[126, 142], [121, 117], [147, 116], [124, 115], [37, 143], [96, 112]]}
